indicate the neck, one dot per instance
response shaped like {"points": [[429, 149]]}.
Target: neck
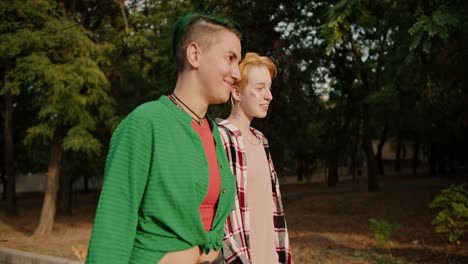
{"points": [[239, 119], [191, 97]]}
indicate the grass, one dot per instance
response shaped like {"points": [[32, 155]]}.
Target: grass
{"points": [[325, 225]]}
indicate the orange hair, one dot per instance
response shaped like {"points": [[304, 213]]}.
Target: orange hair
{"points": [[253, 59]]}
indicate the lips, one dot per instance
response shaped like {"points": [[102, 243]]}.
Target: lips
{"points": [[229, 83], [264, 106]]}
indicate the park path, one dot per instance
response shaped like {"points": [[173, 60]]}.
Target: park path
{"points": [[294, 189]]}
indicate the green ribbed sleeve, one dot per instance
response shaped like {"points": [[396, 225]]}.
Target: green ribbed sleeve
{"points": [[126, 173]]}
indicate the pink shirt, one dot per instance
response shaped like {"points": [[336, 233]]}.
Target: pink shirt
{"points": [[208, 207], [261, 205], [236, 245]]}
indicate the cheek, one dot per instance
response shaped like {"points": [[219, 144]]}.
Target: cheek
{"points": [[250, 101], [255, 94], [226, 68]]}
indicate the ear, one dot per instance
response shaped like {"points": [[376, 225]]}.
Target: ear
{"points": [[193, 54], [236, 93]]}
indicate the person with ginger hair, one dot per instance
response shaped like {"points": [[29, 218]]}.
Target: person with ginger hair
{"points": [[255, 231]]}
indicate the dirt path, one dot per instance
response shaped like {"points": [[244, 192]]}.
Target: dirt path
{"points": [[326, 225]]}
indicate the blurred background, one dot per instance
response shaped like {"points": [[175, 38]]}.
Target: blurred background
{"points": [[365, 88]]}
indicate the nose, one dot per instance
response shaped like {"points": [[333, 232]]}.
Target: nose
{"points": [[268, 95], [235, 72]]}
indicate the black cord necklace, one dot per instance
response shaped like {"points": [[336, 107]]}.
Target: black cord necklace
{"points": [[176, 99]]}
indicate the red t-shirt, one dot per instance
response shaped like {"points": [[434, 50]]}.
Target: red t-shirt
{"points": [[208, 207]]}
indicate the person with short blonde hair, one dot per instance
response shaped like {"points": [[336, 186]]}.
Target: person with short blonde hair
{"points": [[255, 231]]}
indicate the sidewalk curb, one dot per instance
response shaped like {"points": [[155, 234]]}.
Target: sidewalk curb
{"points": [[13, 256]]}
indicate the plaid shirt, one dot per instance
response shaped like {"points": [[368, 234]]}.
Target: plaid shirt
{"points": [[237, 228]]}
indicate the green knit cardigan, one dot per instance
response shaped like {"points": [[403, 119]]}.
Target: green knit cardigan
{"points": [[156, 177]]}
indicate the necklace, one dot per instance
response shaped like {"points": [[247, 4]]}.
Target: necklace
{"points": [[176, 101]]}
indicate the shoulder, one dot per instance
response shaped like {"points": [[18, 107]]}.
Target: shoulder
{"points": [[224, 132], [221, 123], [149, 109], [141, 117], [227, 127], [155, 112], [259, 134]]}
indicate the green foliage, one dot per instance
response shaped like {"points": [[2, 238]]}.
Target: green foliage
{"points": [[438, 24], [452, 219], [44, 132], [144, 68], [79, 139], [383, 231], [82, 66], [57, 61], [338, 25], [386, 100]]}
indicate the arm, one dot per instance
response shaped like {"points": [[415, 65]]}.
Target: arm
{"points": [[283, 247], [235, 249], [127, 168]]}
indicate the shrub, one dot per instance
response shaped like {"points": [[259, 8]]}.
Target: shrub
{"points": [[383, 231], [452, 219]]}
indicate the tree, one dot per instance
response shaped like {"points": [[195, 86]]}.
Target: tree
{"points": [[10, 174], [13, 44], [62, 69]]}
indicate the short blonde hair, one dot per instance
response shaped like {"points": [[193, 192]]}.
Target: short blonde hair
{"points": [[253, 59]]}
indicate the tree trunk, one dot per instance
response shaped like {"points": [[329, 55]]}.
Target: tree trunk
{"points": [[86, 183], [451, 152], [441, 163], [353, 166], [2, 161], [3, 181], [366, 119], [415, 158], [373, 180], [121, 4], [65, 191], [46, 221], [63, 5], [380, 166], [10, 173], [339, 131], [299, 168], [398, 155], [332, 170], [383, 138], [433, 159]]}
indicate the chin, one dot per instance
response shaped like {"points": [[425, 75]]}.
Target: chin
{"points": [[219, 100], [261, 115]]}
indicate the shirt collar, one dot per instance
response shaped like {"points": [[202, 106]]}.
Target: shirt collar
{"points": [[235, 130], [181, 113]]}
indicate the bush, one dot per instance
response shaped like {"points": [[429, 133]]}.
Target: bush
{"points": [[452, 219], [383, 231]]}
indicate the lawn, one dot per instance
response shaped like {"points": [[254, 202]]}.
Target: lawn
{"points": [[325, 225]]}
